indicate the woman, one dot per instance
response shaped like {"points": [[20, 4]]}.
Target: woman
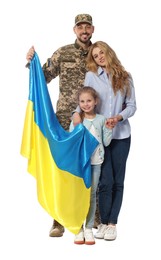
{"points": [[117, 103]]}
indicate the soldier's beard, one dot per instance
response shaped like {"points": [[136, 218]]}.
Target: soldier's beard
{"points": [[86, 39]]}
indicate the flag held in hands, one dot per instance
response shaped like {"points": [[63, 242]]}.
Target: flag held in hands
{"points": [[59, 160]]}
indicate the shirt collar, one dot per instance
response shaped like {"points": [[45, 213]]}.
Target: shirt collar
{"points": [[100, 71], [77, 46]]}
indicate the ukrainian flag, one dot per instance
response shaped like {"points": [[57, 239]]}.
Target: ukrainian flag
{"points": [[59, 160]]}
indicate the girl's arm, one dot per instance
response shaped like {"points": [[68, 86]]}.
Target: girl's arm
{"points": [[107, 135]]}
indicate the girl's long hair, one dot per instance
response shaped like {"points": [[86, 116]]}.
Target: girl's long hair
{"points": [[120, 78]]}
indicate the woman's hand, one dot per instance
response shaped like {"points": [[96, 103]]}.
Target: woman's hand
{"points": [[112, 121]]}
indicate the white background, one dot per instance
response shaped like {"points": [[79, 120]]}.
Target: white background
{"points": [[132, 29]]}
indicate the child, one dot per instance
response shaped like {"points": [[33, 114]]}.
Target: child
{"points": [[95, 123]]}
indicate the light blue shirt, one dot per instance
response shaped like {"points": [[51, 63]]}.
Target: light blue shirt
{"points": [[111, 104]]}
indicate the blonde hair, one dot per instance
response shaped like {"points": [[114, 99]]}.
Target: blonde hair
{"points": [[120, 78]]}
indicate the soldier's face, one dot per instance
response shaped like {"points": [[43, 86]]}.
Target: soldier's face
{"points": [[84, 32]]}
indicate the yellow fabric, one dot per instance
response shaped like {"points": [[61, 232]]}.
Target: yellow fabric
{"points": [[57, 190]]}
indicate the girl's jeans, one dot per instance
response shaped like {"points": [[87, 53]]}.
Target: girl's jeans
{"points": [[95, 171]]}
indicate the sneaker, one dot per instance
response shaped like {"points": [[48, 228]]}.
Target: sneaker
{"points": [[89, 238], [79, 238], [101, 231], [56, 230], [111, 233]]}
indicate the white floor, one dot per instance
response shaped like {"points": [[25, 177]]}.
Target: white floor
{"points": [[132, 28], [24, 226]]}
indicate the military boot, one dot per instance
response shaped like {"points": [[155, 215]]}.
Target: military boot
{"points": [[56, 230]]}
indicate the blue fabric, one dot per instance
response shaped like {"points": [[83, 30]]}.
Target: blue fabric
{"points": [[71, 150]]}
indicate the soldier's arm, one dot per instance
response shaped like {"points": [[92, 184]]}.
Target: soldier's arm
{"points": [[51, 68]]}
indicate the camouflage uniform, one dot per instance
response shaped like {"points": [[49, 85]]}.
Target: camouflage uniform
{"points": [[69, 63]]}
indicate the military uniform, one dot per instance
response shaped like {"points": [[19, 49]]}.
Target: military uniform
{"points": [[69, 63]]}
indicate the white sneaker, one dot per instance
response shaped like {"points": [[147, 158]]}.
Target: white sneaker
{"points": [[79, 238], [101, 231], [89, 238], [111, 233]]}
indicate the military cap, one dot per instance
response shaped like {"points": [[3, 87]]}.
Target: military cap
{"points": [[83, 18]]}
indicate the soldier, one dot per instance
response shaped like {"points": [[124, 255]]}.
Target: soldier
{"points": [[69, 63]]}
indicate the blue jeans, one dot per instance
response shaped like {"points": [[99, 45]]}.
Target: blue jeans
{"points": [[96, 172], [111, 184]]}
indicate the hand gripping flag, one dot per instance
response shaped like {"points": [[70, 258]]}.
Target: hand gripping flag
{"points": [[59, 160]]}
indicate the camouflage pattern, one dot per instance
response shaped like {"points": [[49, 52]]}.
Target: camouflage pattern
{"points": [[69, 63], [83, 18], [97, 220]]}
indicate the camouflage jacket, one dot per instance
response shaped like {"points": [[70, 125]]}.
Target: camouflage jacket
{"points": [[69, 63]]}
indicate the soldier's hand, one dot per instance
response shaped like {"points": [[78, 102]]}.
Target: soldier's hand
{"points": [[30, 54]]}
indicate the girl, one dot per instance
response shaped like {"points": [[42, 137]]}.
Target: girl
{"points": [[95, 123]]}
